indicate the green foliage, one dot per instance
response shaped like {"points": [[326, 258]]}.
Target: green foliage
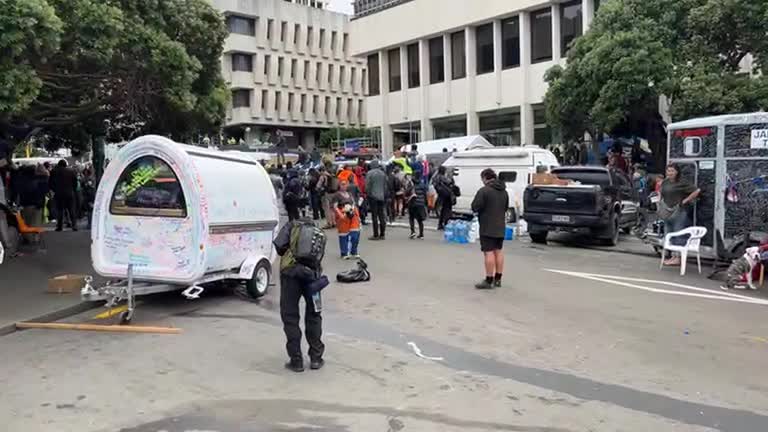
{"points": [[327, 137], [638, 50], [152, 63]]}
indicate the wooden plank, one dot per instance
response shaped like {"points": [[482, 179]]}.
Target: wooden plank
{"points": [[99, 328]]}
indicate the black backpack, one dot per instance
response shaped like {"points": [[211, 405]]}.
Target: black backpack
{"points": [[307, 244]]}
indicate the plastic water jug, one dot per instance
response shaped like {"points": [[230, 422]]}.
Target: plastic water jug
{"points": [[463, 231], [448, 234], [474, 231]]}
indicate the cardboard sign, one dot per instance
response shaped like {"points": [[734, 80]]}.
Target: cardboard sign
{"points": [[759, 139]]}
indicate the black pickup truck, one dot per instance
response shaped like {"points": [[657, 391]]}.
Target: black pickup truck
{"points": [[600, 202]]}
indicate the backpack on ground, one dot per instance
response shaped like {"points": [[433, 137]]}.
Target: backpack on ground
{"points": [[308, 244], [359, 274]]}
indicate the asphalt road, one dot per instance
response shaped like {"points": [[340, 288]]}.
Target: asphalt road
{"points": [[576, 340]]}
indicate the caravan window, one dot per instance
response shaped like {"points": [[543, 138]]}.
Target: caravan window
{"points": [[148, 187], [508, 176]]}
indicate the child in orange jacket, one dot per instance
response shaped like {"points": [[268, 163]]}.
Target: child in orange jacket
{"points": [[347, 221]]}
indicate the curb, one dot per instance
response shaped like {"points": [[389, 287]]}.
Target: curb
{"points": [[56, 315]]}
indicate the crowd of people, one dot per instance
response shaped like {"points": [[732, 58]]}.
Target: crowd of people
{"points": [[343, 196]]}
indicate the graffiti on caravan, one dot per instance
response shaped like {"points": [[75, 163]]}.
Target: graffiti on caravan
{"points": [[759, 139]]}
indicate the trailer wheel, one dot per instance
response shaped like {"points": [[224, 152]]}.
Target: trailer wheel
{"points": [[258, 285]]}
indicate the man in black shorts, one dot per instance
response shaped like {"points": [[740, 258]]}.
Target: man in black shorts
{"points": [[490, 205]]}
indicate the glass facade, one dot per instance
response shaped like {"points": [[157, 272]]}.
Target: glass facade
{"points": [[395, 78], [570, 24], [414, 69], [436, 60], [458, 55], [510, 42], [484, 44], [541, 35]]}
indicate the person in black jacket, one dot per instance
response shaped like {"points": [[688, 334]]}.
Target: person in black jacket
{"points": [[416, 200], [491, 204], [292, 195], [444, 187], [63, 183]]}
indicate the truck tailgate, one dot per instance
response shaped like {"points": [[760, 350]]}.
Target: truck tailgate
{"points": [[562, 199]]}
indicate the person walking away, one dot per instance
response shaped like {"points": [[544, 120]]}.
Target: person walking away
{"points": [[444, 188], [63, 183], [292, 195], [674, 207], [376, 187], [399, 188], [297, 278], [347, 221], [491, 204], [331, 185], [416, 199], [314, 196]]}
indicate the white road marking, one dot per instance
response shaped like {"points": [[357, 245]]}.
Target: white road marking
{"points": [[714, 295], [417, 351]]}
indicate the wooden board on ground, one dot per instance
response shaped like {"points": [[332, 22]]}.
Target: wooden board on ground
{"points": [[99, 327]]}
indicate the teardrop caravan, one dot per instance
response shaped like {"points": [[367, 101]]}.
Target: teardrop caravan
{"points": [[182, 215]]}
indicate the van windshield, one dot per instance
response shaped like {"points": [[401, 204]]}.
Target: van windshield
{"points": [[148, 187], [585, 177]]}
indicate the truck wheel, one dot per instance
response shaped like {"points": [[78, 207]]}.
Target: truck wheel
{"points": [[612, 233], [539, 237], [258, 285]]}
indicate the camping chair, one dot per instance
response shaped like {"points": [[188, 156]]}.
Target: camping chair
{"points": [[695, 234]]}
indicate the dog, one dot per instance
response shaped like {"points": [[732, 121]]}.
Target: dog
{"points": [[744, 266]]}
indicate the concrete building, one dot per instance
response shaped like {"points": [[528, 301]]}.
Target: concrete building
{"points": [[289, 66], [442, 68]]}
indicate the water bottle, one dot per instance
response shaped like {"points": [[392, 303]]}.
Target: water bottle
{"points": [[474, 230], [463, 232], [448, 233]]}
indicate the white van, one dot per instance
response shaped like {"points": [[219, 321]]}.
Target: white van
{"points": [[514, 165], [171, 216]]}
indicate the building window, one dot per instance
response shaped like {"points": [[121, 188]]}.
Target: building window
{"points": [[484, 44], [242, 62], [395, 82], [597, 5], [570, 24], [330, 73], [413, 66], [360, 111], [280, 62], [310, 36], [436, 61], [302, 103], [342, 71], [283, 30], [296, 32], [327, 107], [345, 44], [267, 61], [542, 134], [541, 35], [510, 42], [315, 101], [318, 72], [322, 38], [334, 42], [241, 98], [264, 99], [373, 75], [338, 107], [458, 55], [277, 102], [293, 68], [352, 76], [306, 70], [241, 25], [349, 109], [290, 102], [270, 23]]}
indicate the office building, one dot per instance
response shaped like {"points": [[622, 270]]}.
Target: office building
{"points": [[440, 68], [289, 66]]}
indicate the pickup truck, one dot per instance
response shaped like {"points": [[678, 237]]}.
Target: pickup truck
{"points": [[598, 201]]}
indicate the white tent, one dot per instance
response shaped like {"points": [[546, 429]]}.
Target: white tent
{"points": [[451, 145]]}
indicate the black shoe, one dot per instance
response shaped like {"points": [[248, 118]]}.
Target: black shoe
{"points": [[420, 237], [316, 364], [58, 229], [484, 285], [412, 236], [497, 283], [374, 238], [295, 366]]}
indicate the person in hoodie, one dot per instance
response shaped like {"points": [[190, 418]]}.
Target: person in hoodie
{"points": [[292, 194], [491, 204], [416, 199], [376, 187]]}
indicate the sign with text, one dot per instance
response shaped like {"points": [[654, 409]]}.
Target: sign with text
{"points": [[759, 139]]}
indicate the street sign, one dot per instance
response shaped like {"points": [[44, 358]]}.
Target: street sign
{"points": [[759, 139]]}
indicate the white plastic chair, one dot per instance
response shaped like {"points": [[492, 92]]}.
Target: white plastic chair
{"points": [[692, 245]]}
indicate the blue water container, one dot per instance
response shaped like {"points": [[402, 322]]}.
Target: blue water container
{"points": [[448, 233], [509, 233]]}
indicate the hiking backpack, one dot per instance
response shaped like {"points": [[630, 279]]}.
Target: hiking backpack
{"points": [[308, 244]]}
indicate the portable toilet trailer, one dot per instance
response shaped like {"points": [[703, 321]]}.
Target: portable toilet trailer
{"points": [[727, 158], [169, 216]]}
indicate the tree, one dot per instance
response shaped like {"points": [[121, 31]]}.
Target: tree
{"points": [[638, 50], [154, 63]]}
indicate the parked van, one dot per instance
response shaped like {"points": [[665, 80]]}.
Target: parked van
{"points": [[514, 165], [182, 216]]}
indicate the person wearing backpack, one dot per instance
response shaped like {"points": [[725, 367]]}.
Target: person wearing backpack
{"points": [[292, 195], [416, 200], [301, 246]]}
